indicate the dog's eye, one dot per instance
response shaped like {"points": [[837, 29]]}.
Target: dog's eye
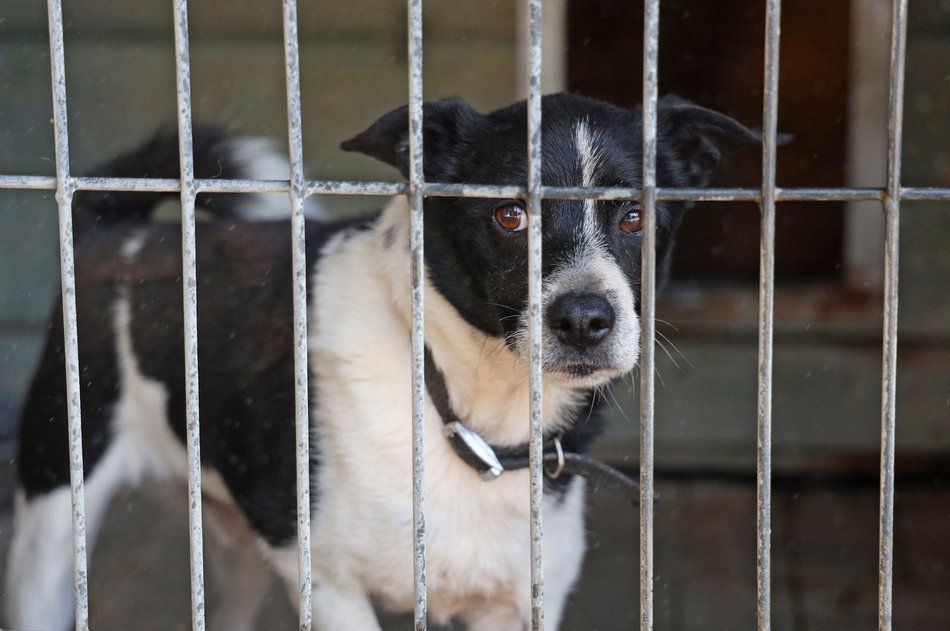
{"points": [[632, 222], [511, 216]]}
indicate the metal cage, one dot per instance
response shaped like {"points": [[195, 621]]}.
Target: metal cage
{"points": [[299, 188]]}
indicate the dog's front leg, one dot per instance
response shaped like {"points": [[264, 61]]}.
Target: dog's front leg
{"points": [[337, 607]]}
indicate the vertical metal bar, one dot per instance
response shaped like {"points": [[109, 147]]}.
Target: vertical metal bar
{"points": [[190, 305], [416, 195], [651, 51], [889, 376], [535, 446], [763, 527], [298, 193], [64, 199]]}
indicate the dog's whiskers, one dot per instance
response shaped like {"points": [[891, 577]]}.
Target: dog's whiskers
{"points": [[590, 409], [616, 402], [669, 324], [675, 348], [660, 343], [509, 308]]}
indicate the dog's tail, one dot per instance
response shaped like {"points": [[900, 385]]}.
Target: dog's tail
{"points": [[216, 155]]}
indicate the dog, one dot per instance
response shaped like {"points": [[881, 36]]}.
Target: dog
{"points": [[132, 365]]}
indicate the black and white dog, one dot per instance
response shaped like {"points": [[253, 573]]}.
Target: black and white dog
{"points": [[132, 374]]}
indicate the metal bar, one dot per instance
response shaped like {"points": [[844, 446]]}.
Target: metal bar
{"points": [[416, 225], [28, 182], [190, 305], [357, 188], [934, 194], [763, 528], [889, 370], [64, 199], [476, 190], [298, 196], [827, 194], [536, 431], [433, 189], [651, 51]]}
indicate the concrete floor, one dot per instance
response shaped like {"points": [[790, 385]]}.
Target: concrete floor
{"points": [[824, 561]]}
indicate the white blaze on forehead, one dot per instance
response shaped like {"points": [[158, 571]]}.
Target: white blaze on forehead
{"points": [[588, 151], [589, 154]]}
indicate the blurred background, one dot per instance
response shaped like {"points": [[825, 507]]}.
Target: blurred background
{"points": [[120, 79]]}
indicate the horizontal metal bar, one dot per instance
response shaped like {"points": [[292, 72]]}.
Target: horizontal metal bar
{"points": [[486, 191], [934, 194], [327, 187], [828, 194], [28, 182], [476, 190]]}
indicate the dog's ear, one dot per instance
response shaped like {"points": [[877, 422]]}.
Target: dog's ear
{"points": [[445, 124], [698, 137]]}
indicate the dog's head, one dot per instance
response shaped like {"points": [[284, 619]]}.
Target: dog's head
{"points": [[476, 249]]}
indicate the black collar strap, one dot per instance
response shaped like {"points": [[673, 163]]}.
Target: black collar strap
{"points": [[490, 461]]}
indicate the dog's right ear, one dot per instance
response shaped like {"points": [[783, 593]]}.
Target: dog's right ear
{"points": [[445, 124]]}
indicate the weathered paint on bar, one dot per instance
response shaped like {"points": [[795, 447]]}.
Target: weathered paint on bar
{"points": [[64, 198], [416, 198], [190, 299], [298, 195], [889, 371], [651, 51], [434, 189], [535, 320], [763, 524]]}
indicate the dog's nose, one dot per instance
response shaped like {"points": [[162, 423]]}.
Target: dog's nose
{"points": [[580, 320]]}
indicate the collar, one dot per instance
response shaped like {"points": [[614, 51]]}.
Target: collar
{"points": [[492, 461]]}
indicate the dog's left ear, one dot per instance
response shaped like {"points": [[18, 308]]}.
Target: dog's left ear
{"points": [[445, 124], [698, 137]]}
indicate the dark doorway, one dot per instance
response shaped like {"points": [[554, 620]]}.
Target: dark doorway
{"points": [[712, 53]]}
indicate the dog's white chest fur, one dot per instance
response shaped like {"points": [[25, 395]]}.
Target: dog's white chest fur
{"points": [[477, 532]]}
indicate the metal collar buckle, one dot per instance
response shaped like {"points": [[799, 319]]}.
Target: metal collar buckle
{"points": [[560, 460], [475, 450]]}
